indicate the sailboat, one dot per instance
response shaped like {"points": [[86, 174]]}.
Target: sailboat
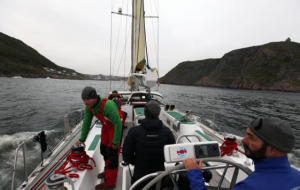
{"points": [[189, 134]]}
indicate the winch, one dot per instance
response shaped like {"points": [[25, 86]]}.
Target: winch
{"points": [[56, 182]]}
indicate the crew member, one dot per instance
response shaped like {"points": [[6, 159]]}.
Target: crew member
{"points": [[267, 142], [107, 112], [144, 144]]}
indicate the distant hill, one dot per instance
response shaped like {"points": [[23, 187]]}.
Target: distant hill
{"points": [[273, 66], [18, 59]]}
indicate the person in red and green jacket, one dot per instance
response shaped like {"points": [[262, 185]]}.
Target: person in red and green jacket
{"points": [[107, 112]]}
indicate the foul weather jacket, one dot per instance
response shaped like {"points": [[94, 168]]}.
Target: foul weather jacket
{"points": [[144, 146], [110, 111], [273, 173]]}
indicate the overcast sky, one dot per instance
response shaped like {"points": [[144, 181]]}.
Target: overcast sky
{"points": [[76, 33]]}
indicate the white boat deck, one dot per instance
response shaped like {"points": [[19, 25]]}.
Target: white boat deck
{"points": [[88, 178]]}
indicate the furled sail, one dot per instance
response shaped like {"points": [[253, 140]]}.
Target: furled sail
{"points": [[139, 75], [138, 37]]}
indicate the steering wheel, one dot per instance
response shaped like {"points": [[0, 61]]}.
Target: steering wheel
{"points": [[228, 163]]}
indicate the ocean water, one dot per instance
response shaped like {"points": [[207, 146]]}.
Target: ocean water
{"points": [[29, 106]]}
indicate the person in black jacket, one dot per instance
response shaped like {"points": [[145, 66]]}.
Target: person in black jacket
{"points": [[144, 144]]}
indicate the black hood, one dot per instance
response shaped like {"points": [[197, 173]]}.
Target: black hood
{"points": [[152, 124]]}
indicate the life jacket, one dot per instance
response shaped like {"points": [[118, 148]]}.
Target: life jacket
{"points": [[104, 120], [116, 99]]}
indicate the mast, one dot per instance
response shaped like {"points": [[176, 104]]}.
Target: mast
{"points": [[140, 77], [138, 37], [141, 74]]}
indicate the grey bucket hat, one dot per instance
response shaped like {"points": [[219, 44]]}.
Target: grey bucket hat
{"points": [[88, 93], [275, 132]]}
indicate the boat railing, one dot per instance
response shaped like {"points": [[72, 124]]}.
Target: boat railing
{"points": [[184, 135], [67, 128], [214, 122], [220, 164], [22, 145], [174, 176], [67, 131], [66, 125], [148, 177]]}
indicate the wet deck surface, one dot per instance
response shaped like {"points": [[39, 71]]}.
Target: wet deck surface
{"points": [[120, 171], [214, 182]]}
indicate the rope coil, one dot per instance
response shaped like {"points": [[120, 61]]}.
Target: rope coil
{"points": [[80, 161], [228, 146]]}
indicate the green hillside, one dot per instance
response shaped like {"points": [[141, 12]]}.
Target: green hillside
{"points": [[18, 59], [273, 66]]}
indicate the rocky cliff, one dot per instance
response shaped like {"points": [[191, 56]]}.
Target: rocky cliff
{"points": [[19, 59], [273, 66]]}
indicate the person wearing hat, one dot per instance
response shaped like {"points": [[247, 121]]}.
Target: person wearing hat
{"points": [[144, 144], [107, 112], [267, 142], [114, 96]]}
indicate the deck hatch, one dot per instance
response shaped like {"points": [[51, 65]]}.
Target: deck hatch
{"points": [[139, 111], [95, 142], [179, 117], [176, 115], [204, 135]]}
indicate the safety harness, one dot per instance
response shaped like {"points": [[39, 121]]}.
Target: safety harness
{"points": [[105, 120], [116, 99], [110, 155], [228, 146], [76, 159]]}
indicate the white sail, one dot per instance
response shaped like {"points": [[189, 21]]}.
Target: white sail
{"points": [[138, 37], [140, 76]]}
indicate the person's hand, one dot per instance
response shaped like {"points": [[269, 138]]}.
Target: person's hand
{"points": [[79, 143], [114, 147], [191, 163]]}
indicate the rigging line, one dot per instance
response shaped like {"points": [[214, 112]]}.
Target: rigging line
{"points": [[156, 6], [153, 31], [132, 39], [116, 49], [112, 5], [111, 43], [141, 12], [125, 43], [158, 37], [120, 23], [110, 51], [124, 52], [123, 83], [147, 62]]}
